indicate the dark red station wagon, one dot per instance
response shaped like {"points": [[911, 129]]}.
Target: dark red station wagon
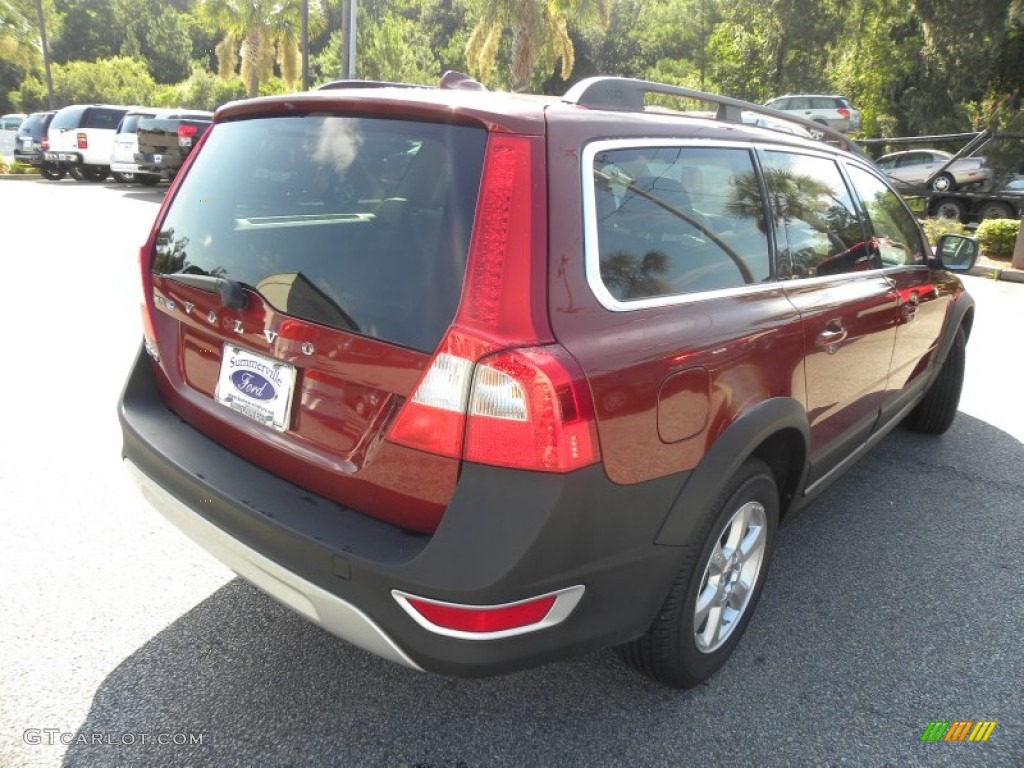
{"points": [[477, 381]]}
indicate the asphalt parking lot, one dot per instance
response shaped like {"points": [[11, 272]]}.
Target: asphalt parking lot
{"points": [[897, 600]]}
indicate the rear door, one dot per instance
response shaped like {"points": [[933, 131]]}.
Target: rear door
{"points": [[848, 307], [344, 240]]}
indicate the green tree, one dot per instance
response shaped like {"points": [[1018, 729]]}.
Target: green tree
{"points": [[117, 80], [539, 35]]}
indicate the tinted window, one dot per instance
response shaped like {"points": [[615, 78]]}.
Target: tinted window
{"points": [[356, 223], [68, 117], [896, 236], [816, 225], [130, 122], [101, 117], [673, 220], [33, 125]]}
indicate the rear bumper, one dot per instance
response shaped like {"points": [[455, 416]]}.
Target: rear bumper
{"points": [[63, 158], [506, 536], [148, 162]]}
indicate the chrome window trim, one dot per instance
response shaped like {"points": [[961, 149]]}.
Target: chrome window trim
{"points": [[592, 256]]}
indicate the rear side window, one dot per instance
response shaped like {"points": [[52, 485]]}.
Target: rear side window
{"points": [[677, 220], [816, 224], [356, 223], [896, 236], [101, 117]]}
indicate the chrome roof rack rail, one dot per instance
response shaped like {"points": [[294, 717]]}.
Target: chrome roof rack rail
{"points": [[627, 95]]}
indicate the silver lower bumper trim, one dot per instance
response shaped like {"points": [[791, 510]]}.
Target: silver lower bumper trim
{"points": [[316, 604]]}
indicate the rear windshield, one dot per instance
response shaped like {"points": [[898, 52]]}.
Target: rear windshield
{"points": [[130, 123], [67, 118], [102, 117], [33, 125], [360, 224]]}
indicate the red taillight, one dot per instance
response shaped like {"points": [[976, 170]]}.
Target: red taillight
{"points": [[186, 131], [504, 294], [83, 140], [498, 390], [146, 302], [531, 409], [844, 113], [434, 417], [45, 142]]}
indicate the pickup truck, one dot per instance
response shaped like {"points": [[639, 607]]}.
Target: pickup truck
{"points": [[165, 142]]}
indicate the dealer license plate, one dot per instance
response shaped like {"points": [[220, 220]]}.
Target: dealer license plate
{"points": [[256, 386]]}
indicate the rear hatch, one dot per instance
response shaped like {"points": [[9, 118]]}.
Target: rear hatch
{"points": [[160, 136], [301, 277], [126, 140]]}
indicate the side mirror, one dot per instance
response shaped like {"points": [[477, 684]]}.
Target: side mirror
{"points": [[957, 253]]}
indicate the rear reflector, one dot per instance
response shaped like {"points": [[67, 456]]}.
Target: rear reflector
{"points": [[488, 622]]}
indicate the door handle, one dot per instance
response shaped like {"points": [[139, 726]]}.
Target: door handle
{"points": [[831, 338]]}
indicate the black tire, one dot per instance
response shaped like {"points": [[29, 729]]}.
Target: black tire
{"points": [[936, 411], [124, 178], [668, 651], [95, 173], [147, 179], [53, 174], [944, 182], [950, 208], [993, 209]]}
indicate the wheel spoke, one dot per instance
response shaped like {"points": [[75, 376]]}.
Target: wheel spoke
{"points": [[739, 594], [705, 600], [718, 562], [752, 543], [714, 623]]}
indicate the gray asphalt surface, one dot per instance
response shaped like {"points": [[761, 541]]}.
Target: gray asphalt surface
{"points": [[896, 600]]}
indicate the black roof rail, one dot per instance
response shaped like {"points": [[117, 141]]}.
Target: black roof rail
{"points": [[335, 84], [628, 94]]}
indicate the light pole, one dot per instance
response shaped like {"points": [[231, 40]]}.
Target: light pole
{"points": [[304, 34], [46, 53], [350, 70]]}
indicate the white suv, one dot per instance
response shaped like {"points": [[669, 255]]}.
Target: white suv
{"points": [[82, 138], [833, 111], [126, 144]]}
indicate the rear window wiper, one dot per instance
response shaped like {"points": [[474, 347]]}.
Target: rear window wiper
{"points": [[232, 293]]}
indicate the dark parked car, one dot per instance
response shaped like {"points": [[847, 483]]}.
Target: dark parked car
{"points": [[32, 142], [478, 380], [165, 142]]}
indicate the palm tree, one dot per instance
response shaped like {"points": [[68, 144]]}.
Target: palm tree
{"points": [[263, 31], [540, 34]]}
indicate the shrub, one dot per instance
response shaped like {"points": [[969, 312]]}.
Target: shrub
{"points": [[998, 236], [935, 228]]}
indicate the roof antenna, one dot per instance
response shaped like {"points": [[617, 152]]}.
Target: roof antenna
{"points": [[457, 81]]}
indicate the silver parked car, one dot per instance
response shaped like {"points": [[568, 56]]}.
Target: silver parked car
{"points": [[913, 167], [834, 111]]}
